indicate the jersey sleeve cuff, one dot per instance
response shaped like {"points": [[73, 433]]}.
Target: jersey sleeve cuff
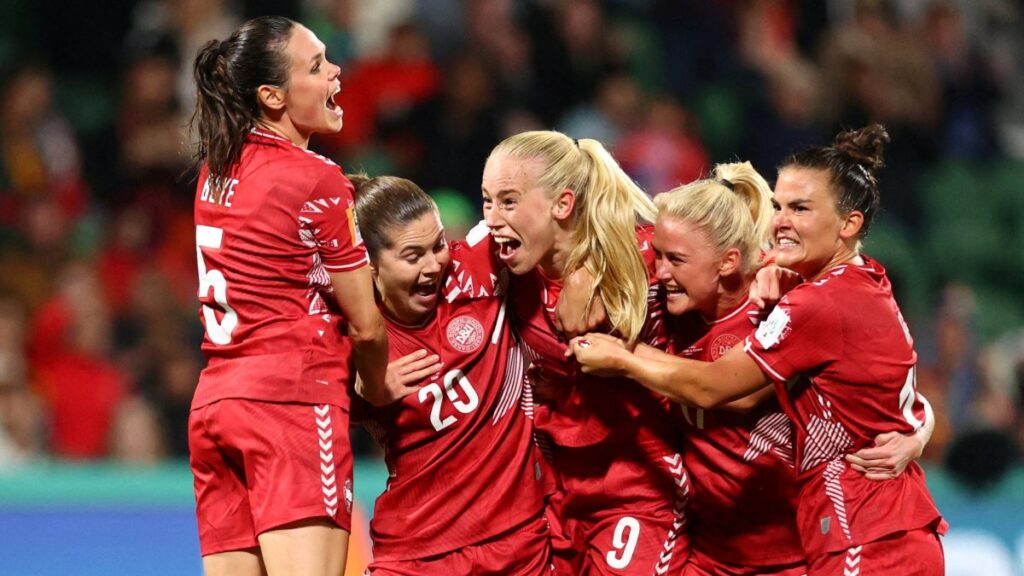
{"points": [[345, 267], [761, 362]]}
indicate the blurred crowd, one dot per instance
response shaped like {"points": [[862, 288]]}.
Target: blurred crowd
{"points": [[99, 334]]}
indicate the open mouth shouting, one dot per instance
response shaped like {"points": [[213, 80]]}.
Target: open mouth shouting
{"points": [[426, 292], [331, 105], [426, 289], [507, 247]]}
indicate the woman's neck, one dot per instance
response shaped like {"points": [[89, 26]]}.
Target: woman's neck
{"points": [[418, 321], [553, 265], [284, 129], [732, 291], [844, 255]]}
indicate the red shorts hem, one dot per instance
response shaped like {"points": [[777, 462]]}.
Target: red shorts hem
{"points": [[524, 550], [232, 545], [915, 552], [343, 521]]}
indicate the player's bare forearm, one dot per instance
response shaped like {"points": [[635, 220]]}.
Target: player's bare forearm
{"points": [[733, 383], [666, 375], [353, 291], [647, 351], [685, 381], [750, 401], [663, 373], [370, 355]]}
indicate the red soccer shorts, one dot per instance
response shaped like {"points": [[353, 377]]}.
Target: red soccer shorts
{"points": [[911, 553], [260, 465], [634, 544], [564, 555], [702, 565], [522, 551]]}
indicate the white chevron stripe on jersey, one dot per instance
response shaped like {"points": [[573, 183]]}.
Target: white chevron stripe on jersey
{"points": [[852, 562], [529, 356], [317, 275], [773, 432], [526, 399], [307, 236], [527, 404], [826, 441], [317, 305], [477, 233], [529, 353], [682, 481], [511, 385], [328, 478], [310, 208], [834, 491]]}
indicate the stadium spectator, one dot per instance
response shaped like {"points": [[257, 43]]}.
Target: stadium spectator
{"points": [[449, 135], [150, 131], [616, 108], [22, 420], [664, 151], [390, 85], [70, 352], [41, 183]]}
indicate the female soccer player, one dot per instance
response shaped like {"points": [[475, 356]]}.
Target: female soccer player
{"points": [[465, 494], [280, 267], [708, 240], [842, 362], [553, 205]]}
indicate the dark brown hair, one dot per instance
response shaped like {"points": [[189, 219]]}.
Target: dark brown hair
{"points": [[851, 160], [385, 203], [227, 74]]}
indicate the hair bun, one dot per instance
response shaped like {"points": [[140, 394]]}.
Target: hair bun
{"points": [[864, 146], [359, 182]]}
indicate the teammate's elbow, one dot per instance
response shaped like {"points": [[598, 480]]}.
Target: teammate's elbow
{"points": [[367, 331]]}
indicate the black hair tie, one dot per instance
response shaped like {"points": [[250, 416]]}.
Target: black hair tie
{"points": [[727, 184]]}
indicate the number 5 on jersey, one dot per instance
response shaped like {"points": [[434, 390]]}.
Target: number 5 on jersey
{"points": [[211, 238]]}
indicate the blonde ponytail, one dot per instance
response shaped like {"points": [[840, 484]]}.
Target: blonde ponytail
{"points": [[604, 240]]}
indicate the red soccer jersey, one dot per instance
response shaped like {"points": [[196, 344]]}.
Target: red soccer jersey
{"points": [[614, 445], [463, 466], [843, 364], [743, 507], [264, 251]]}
